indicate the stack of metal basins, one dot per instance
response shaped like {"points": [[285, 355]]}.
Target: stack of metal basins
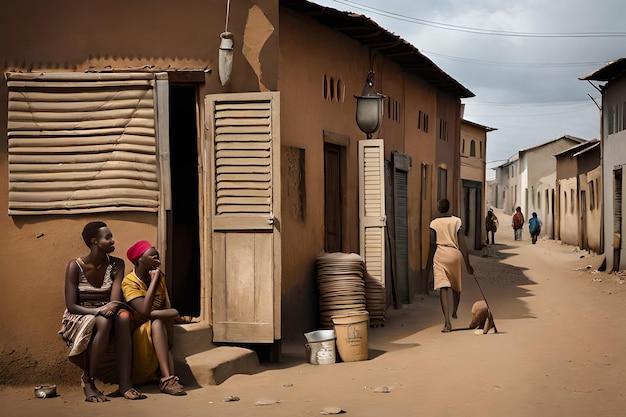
{"points": [[376, 300], [340, 284]]}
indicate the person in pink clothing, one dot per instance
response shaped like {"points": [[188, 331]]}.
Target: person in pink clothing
{"points": [[447, 253]]}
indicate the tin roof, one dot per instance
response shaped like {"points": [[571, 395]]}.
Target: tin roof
{"points": [[485, 128], [578, 148], [610, 71], [370, 34]]}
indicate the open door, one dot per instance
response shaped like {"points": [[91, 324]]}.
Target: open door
{"points": [[244, 152], [372, 219]]}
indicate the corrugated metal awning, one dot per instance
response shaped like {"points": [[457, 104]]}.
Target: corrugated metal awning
{"points": [[81, 143], [370, 34]]}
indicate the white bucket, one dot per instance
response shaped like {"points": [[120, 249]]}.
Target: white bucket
{"points": [[320, 349]]}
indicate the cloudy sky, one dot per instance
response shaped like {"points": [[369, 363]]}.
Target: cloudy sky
{"points": [[521, 59]]}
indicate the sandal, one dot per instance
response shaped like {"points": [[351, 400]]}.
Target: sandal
{"points": [[171, 386], [133, 394]]}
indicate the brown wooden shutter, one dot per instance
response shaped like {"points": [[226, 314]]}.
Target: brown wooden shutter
{"points": [[244, 135], [81, 143]]}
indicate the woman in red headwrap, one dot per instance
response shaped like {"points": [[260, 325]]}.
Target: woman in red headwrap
{"points": [[145, 290]]}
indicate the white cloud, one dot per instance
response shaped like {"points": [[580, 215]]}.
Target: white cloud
{"points": [[526, 87]]}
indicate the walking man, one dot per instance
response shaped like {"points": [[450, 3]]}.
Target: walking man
{"points": [[534, 226], [518, 223], [491, 225]]}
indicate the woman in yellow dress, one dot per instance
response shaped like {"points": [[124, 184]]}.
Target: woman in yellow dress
{"points": [[145, 290], [447, 252]]}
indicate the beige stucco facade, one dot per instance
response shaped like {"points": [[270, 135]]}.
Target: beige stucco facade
{"points": [[300, 65], [473, 177]]}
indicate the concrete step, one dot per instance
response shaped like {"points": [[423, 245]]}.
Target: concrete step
{"points": [[199, 362]]}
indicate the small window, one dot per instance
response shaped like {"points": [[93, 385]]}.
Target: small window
{"points": [[472, 148], [325, 88], [572, 196], [481, 148], [592, 196], [443, 130], [442, 183], [565, 201], [463, 147], [339, 90]]}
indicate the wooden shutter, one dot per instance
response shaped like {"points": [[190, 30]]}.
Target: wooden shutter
{"points": [[401, 166], [81, 143], [245, 206], [372, 206]]}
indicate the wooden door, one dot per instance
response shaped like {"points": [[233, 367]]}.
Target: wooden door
{"points": [[244, 151], [372, 219], [332, 198]]}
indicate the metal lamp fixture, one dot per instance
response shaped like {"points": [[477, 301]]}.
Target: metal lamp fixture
{"points": [[369, 107]]}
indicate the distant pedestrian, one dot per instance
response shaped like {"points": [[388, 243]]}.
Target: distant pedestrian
{"points": [[491, 225], [518, 223], [534, 226], [446, 256]]}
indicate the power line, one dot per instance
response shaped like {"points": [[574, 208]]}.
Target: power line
{"points": [[479, 31], [516, 64]]}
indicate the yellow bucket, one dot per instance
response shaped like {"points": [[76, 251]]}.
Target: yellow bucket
{"points": [[351, 333]]}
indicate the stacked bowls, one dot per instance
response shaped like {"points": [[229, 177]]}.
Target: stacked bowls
{"points": [[340, 284], [376, 300]]}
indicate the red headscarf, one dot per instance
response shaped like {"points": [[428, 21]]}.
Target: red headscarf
{"points": [[138, 249]]}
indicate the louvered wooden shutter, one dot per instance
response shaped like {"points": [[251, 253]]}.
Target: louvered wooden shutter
{"points": [[243, 153], [401, 167], [81, 143], [244, 135], [372, 206]]}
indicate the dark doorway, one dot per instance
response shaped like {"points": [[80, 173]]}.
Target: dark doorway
{"points": [[333, 225], [584, 243], [183, 239]]}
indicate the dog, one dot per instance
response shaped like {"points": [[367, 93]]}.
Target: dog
{"points": [[481, 318]]}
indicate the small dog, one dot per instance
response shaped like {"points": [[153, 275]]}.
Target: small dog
{"points": [[482, 318]]}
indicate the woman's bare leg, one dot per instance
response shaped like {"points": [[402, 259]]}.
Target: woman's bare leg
{"points": [[99, 345], [161, 347], [124, 348], [444, 298], [456, 299]]}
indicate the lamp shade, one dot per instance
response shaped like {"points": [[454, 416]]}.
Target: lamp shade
{"points": [[369, 107]]}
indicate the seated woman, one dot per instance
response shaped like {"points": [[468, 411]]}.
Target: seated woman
{"points": [[95, 312], [144, 289]]}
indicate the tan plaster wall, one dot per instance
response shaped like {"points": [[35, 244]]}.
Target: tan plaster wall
{"points": [[594, 216], [308, 52], [421, 145], [118, 35], [305, 115]]}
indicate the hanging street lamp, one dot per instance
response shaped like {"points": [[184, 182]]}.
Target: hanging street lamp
{"points": [[369, 107]]}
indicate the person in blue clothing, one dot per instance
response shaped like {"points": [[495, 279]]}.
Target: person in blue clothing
{"points": [[534, 227]]}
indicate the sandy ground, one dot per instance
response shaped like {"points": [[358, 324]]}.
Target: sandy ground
{"points": [[559, 351]]}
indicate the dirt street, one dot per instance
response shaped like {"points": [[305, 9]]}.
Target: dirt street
{"points": [[559, 351]]}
